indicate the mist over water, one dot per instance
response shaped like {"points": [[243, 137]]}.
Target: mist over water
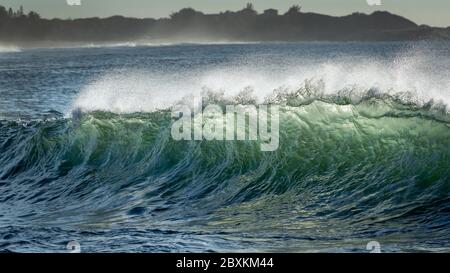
{"points": [[6, 49], [87, 155]]}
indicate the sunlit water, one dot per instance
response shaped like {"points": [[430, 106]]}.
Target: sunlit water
{"points": [[86, 152]]}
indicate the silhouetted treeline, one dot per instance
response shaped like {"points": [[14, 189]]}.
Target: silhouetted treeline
{"points": [[189, 25]]}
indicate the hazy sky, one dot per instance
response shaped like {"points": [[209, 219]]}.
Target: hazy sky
{"points": [[431, 12]]}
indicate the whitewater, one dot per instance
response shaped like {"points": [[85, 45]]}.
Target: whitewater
{"points": [[86, 150]]}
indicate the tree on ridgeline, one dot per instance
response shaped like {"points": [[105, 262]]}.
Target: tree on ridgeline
{"points": [[20, 12], [294, 10], [3, 13], [33, 16], [249, 10], [10, 13], [185, 14]]}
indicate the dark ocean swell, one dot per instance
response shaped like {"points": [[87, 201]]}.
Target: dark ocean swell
{"points": [[344, 173]]}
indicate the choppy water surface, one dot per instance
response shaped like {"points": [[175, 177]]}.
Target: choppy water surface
{"points": [[86, 152]]}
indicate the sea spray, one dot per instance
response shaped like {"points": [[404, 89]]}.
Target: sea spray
{"points": [[363, 154]]}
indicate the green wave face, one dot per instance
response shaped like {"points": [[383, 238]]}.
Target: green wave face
{"points": [[344, 173]]}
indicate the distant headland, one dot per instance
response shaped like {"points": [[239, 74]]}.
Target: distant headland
{"points": [[188, 25]]}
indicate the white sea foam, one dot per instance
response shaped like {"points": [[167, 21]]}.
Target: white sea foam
{"points": [[101, 45], [142, 91], [144, 44], [8, 49]]}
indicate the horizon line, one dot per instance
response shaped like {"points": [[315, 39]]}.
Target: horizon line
{"points": [[232, 11]]}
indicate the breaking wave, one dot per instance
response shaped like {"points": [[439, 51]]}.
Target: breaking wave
{"points": [[410, 79], [364, 153]]}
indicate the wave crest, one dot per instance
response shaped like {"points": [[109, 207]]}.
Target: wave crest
{"points": [[409, 80]]}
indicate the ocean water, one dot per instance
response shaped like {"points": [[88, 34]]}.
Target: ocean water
{"points": [[86, 153]]}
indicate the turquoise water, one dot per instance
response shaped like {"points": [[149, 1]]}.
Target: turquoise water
{"points": [[86, 152]]}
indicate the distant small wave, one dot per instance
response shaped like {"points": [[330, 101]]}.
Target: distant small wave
{"points": [[101, 45], [9, 49], [154, 44]]}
